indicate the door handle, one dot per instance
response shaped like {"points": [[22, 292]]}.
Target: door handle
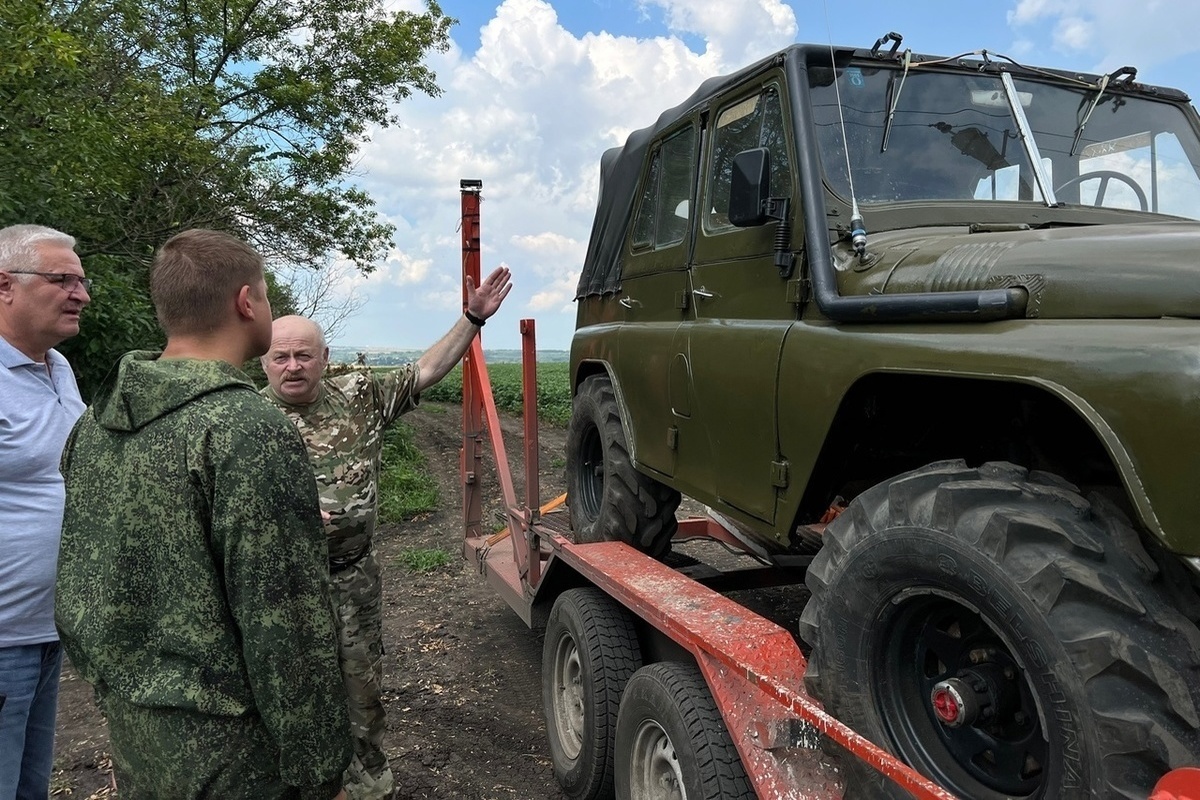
{"points": [[702, 292], [628, 302]]}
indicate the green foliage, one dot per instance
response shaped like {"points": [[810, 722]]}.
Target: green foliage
{"points": [[126, 121], [405, 486], [418, 559], [553, 397]]}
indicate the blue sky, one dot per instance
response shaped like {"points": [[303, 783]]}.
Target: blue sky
{"points": [[535, 90]]}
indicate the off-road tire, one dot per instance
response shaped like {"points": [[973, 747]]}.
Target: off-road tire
{"points": [[590, 651], [1039, 583], [670, 736], [609, 500]]}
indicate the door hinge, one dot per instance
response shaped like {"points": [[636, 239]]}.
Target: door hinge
{"points": [[779, 473], [673, 437], [799, 291], [682, 300]]}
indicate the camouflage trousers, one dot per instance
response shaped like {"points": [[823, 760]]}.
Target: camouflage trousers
{"points": [[165, 752], [357, 598]]}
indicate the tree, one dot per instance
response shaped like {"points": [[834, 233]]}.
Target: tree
{"points": [[126, 121], [327, 295]]}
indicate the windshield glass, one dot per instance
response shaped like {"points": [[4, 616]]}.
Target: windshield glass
{"points": [[953, 137]]}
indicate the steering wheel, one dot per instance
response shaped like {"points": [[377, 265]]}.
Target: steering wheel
{"points": [[1105, 175]]}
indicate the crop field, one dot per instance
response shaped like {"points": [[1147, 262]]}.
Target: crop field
{"points": [[553, 397], [405, 486]]}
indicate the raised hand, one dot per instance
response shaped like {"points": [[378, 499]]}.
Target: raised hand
{"points": [[486, 300]]}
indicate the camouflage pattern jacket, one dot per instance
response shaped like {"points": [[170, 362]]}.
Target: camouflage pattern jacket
{"points": [[193, 569], [343, 429]]}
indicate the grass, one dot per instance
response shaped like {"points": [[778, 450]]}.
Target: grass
{"points": [[553, 396], [421, 559], [405, 486]]}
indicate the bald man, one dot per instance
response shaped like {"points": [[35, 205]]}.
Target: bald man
{"points": [[342, 420]]}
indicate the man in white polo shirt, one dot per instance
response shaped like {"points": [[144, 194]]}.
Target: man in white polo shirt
{"points": [[42, 292]]}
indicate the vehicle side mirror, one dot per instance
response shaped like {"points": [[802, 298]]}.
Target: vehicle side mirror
{"points": [[749, 185]]}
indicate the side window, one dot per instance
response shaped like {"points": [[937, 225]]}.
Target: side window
{"points": [[664, 209], [752, 122]]}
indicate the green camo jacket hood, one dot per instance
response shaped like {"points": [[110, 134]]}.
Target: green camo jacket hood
{"points": [[146, 387]]}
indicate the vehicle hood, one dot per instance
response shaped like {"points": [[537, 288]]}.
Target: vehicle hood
{"points": [[1142, 270]]}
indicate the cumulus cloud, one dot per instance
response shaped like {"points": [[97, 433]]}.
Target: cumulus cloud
{"points": [[401, 269], [530, 113], [1111, 33], [737, 32]]}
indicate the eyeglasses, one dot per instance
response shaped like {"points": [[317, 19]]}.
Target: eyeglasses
{"points": [[67, 280]]}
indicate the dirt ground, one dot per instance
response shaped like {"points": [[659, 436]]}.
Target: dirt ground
{"points": [[461, 672]]}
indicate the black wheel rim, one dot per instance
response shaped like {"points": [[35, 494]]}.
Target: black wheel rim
{"points": [[999, 746], [590, 472]]}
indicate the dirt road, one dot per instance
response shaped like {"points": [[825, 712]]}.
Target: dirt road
{"points": [[461, 672]]}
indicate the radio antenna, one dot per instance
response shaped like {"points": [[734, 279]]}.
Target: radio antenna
{"points": [[858, 230]]}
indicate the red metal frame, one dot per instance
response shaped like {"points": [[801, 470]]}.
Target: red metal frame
{"points": [[753, 667]]}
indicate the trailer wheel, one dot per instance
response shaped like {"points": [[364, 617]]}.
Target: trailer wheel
{"points": [[609, 499], [591, 649], [1002, 635], [671, 741]]}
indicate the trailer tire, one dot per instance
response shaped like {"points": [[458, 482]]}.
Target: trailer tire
{"points": [[671, 736], [1002, 635], [608, 498], [590, 651]]}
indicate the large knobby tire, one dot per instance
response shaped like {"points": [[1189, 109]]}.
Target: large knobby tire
{"points": [[609, 499], [590, 652], [1002, 635], [671, 741]]}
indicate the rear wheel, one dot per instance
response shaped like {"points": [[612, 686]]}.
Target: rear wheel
{"points": [[1002, 635], [591, 650], [671, 741], [609, 499]]}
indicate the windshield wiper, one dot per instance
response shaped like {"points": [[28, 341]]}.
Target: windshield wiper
{"points": [[1128, 73], [894, 100]]}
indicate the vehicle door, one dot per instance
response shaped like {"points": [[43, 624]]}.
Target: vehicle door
{"points": [[740, 306], [654, 291]]}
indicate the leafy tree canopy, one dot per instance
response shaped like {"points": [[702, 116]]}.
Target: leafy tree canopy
{"points": [[126, 121]]}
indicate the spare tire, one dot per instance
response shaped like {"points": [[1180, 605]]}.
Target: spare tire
{"points": [[609, 500], [1004, 636]]}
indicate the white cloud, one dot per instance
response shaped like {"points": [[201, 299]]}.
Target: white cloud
{"points": [[736, 32], [401, 269], [548, 243], [530, 113], [1111, 33]]}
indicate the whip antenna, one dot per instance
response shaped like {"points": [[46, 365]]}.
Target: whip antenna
{"points": [[858, 230]]}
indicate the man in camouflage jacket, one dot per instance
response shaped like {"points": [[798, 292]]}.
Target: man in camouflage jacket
{"points": [[342, 420], [192, 586]]}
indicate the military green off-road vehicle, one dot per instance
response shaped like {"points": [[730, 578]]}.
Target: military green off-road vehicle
{"points": [[960, 298]]}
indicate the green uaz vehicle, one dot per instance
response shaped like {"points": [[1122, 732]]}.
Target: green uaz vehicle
{"points": [[959, 298]]}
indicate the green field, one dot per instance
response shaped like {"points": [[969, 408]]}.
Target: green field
{"points": [[405, 486], [553, 397]]}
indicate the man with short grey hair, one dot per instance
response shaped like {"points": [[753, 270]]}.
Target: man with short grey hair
{"points": [[42, 293]]}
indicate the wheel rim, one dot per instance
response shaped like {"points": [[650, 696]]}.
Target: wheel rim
{"points": [[956, 702], [653, 766], [568, 697], [590, 472]]}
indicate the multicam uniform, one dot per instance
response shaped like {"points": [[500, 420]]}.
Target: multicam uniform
{"points": [[192, 588], [343, 429]]}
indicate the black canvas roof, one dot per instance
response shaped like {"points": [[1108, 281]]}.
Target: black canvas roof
{"points": [[620, 168]]}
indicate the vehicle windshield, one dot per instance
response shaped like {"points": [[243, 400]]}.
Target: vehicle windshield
{"points": [[953, 136]]}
